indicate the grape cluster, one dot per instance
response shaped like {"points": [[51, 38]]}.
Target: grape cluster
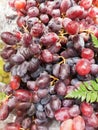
{"points": [[48, 57]]}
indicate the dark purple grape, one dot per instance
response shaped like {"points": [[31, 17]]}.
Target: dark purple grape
{"points": [[78, 42], [36, 74], [67, 102], [22, 69], [32, 85], [74, 111], [35, 49], [39, 107], [33, 65], [23, 106], [4, 111], [7, 52], [64, 71], [47, 56], [37, 30], [26, 123], [9, 38], [55, 24], [41, 122], [17, 58], [23, 95], [40, 115], [33, 11], [31, 110], [12, 102], [43, 8], [35, 97], [55, 48], [49, 39], [43, 80], [55, 13], [44, 18], [25, 52], [45, 100], [30, 3], [42, 127], [31, 21], [48, 110], [26, 39], [56, 69], [60, 88], [55, 104], [42, 93], [94, 69]]}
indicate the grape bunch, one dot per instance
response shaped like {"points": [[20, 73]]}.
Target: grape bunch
{"points": [[49, 56]]}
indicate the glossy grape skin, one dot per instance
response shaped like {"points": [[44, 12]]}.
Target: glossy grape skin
{"points": [[26, 123], [83, 67], [60, 88], [65, 4], [37, 30], [62, 114], [74, 12], [23, 95], [30, 3], [4, 111], [49, 39], [9, 38], [19, 4], [78, 123], [87, 53], [33, 12], [7, 52], [67, 124], [72, 27], [48, 110]]}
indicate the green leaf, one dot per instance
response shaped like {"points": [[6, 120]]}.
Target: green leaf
{"points": [[94, 97], [87, 91], [2, 96], [95, 85], [88, 97], [94, 40]]}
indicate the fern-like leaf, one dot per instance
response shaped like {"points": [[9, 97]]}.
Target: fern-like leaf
{"points": [[94, 40], [87, 91]]}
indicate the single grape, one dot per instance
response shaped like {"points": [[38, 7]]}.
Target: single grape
{"points": [[62, 114], [4, 111], [23, 95], [9, 38], [86, 109], [74, 12], [78, 123], [60, 88], [67, 124], [26, 123], [83, 67], [37, 30], [33, 11]]}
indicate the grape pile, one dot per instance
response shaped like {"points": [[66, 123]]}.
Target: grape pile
{"points": [[48, 57]]}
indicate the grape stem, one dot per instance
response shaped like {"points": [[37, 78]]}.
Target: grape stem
{"points": [[87, 31], [54, 80], [25, 28], [63, 60]]}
